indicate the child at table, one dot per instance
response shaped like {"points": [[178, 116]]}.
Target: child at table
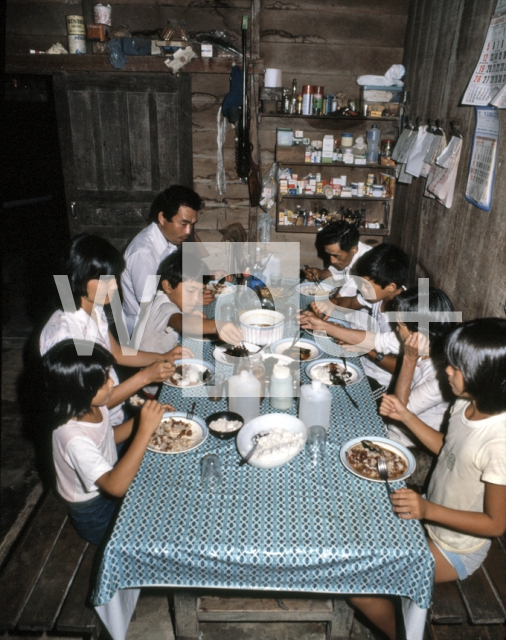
{"points": [[90, 257], [179, 294], [466, 498], [89, 476], [383, 271]]}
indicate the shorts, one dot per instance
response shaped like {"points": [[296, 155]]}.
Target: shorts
{"points": [[91, 519], [465, 563]]}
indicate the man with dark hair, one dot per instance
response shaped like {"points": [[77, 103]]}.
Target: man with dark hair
{"points": [[172, 216], [339, 242]]}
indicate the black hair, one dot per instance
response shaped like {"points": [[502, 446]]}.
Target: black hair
{"points": [[438, 301], [88, 258], [172, 269], [384, 264], [170, 200], [72, 381], [343, 233], [478, 349]]}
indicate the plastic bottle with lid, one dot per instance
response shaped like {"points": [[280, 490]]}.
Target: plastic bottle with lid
{"points": [[315, 403], [373, 137], [244, 395], [281, 389]]}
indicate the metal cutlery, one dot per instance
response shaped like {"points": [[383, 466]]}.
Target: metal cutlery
{"points": [[191, 412], [383, 473], [256, 440]]}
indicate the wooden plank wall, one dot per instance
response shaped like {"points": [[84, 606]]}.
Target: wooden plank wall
{"points": [[461, 250], [327, 42]]}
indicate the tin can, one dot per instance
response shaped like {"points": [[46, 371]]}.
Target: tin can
{"points": [[102, 14], [75, 25], [307, 100], [77, 44], [318, 100], [370, 178]]}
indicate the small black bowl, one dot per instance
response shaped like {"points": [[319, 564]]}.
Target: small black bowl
{"points": [[227, 415]]}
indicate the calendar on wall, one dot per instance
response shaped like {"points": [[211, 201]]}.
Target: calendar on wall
{"points": [[482, 164], [489, 76]]}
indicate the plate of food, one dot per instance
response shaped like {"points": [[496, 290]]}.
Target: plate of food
{"points": [[190, 372], [334, 371], [318, 291], [363, 462], [220, 288], [319, 333], [177, 434], [279, 293], [224, 424], [280, 438], [303, 350], [226, 353]]}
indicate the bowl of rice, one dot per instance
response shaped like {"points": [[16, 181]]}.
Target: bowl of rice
{"points": [[283, 437], [224, 425], [310, 291]]}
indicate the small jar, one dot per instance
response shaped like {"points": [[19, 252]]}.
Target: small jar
{"points": [[360, 189], [354, 188], [346, 140]]}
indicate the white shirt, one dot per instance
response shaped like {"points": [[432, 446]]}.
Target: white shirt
{"points": [[474, 452], [349, 288], [382, 325], [425, 401], [79, 325], [158, 337], [143, 256], [82, 453]]}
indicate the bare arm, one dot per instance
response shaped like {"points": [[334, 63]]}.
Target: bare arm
{"points": [[156, 372], [391, 407], [313, 274], [415, 345], [491, 523], [116, 481], [198, 325]]}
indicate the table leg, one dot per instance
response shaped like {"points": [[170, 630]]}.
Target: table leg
{"points": [[342, 620], [185, 613]]}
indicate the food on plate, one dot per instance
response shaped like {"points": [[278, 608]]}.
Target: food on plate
{"points": [[137, 401], [365, 462], [219, 288], [190, 375], [270, 292], [176, 434], [238, 351], [225, 426], [278, 445], [314, 290], [331, 373], [297, 353]]}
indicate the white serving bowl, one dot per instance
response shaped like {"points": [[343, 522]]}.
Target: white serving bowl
{"points": [[250, 320], [264, 424]]}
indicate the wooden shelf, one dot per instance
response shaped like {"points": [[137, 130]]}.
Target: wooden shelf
{"points": [[47, 63], [319, 196], [330, 116], [369, 165], [288, 228]]}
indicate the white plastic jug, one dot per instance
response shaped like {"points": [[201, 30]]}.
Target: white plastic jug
{"points": [[244, 395], [281, 389], [315, 403]]}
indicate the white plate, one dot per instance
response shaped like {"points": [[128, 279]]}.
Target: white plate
{"points": [[385, 443], [201, 365], [281, 359], [220, 356], [356, 373], [319, 333], [264, 424], [182, 416], [279, 346], [307, 284], [229, 288]]}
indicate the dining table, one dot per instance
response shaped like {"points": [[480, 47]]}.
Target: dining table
{"points": [[296, 529]]}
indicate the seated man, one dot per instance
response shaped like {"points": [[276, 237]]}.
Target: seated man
{"points": [[172, 216], [384, 272], [179, 294], [340, 242]]}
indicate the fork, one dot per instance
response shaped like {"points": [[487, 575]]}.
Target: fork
{"points": [[383, 473], [191, 412]]}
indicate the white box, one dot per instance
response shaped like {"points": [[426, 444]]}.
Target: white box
{"points": [[206, 50], [328, 143]]}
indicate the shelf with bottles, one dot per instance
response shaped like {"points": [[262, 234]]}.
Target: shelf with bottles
{"points": [[330, 116]]}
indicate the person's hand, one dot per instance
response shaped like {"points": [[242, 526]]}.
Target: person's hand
{"points": [[207, 297], [177, 353], [159, 371], [322, 308], [408, 505], [391, 407], [313, 274], [151, 415], [229, 332], [416, 345], [308, 320]]}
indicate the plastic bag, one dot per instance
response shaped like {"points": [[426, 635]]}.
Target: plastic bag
{"points": [[270, 187], [116, 56]]}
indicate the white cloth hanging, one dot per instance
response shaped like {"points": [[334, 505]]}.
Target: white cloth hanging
{"points": [[442, 185], [418, 151]]}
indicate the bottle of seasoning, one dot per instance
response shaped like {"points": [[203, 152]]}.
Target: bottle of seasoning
{"points": [[299, 103], [293, 99], [281, 389]]}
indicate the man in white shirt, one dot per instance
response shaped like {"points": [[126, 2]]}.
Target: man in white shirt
{"points": [[340, 242], [173, 215]]}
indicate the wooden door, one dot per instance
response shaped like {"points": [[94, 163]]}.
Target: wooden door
{"points": [[124, 138]]}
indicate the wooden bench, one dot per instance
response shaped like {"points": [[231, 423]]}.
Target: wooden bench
{"points": [[45, 583], [477, 605]]}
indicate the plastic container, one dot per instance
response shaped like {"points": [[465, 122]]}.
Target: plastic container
{"points": [[346, 140], [284, 137], [373, 138], [244, 395], [281, 389], [254, 364], [315, 403]]}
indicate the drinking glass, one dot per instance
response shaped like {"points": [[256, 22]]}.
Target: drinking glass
{"points": [[210, 472], [315, 445], [215, 388]]}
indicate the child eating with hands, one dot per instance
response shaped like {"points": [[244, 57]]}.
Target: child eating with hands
{"points": [[89, 476], [466, 498]]}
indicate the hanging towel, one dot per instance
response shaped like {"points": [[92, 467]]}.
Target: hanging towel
{"points": [[418, 151], [442, 185]]}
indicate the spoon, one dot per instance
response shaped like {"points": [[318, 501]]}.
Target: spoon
{"points": [[367, 444], [256, 441]]}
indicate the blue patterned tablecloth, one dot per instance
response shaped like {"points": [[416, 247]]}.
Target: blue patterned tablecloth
{"points": [[292, 529]]}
